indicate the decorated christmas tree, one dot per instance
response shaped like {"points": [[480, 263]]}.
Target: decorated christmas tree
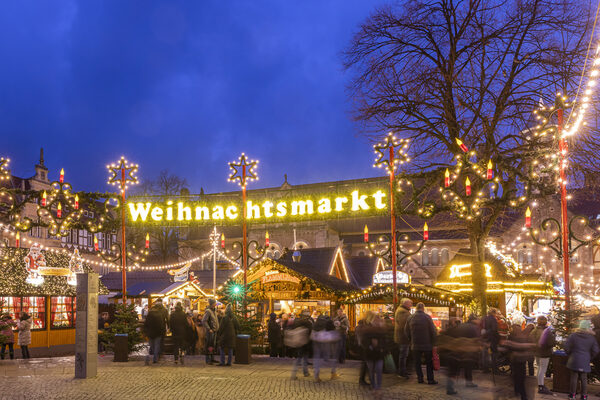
{"points": [[126, 321]]}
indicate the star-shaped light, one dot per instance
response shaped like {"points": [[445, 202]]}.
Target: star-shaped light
{"points": [[4, 171], [243, 170], [120, 179], [395, 145]]}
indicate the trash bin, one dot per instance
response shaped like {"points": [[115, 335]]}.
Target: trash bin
{"points": [[560, 373], [243, 351], [121, 347]]}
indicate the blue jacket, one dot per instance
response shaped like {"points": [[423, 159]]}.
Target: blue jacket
{"points": [[581, 347]]}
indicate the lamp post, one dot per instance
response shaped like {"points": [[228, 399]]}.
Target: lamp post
{"points": [[214, 240], [243, 171], [395, 151], [123, 175]]}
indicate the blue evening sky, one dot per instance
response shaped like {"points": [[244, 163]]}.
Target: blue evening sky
{"points": [[181, 85]]}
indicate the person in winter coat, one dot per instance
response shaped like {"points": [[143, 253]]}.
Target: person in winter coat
{"points": [[302, 352], [421, 332], [179, 330], [154, 329], [544, 340], [341, 326], [374, 348], [491, 334], [581, 347], [211, 326], [325, 337], [274, 335], [359, 333], [25, 334], [9, 336], [521, 349], [192, 334], [228, 330], [400, 338]]}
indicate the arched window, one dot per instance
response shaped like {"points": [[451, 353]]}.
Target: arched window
{"points": [[530, 257], [425, 258], [445, 256], [521, 256], [300, 244], [435, 257]]}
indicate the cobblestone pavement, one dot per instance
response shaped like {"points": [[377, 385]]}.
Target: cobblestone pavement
{"points": [[265, 378]]}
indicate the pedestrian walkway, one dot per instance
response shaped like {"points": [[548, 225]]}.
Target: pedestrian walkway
{"points": [[266, 378]]}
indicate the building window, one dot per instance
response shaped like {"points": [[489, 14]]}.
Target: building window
{"points": [[435, 257], [425, 258], [62, 312], [445, 256], [35, 306]]}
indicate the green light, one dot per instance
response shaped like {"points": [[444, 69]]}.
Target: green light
{"points": [[236, 289]]}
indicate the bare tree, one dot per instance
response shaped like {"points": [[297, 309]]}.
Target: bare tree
{"points": [[471, 70]]}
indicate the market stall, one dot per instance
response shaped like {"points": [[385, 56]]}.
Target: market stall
{"points": [[42, 284]]}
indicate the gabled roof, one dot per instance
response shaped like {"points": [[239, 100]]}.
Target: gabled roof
{"points": [[320, 258], [113, 280], [362, 269], [317, 274]]}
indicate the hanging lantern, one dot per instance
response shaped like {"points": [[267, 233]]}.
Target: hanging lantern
{"points": [[61, 178], [18, 240], [468, 186], [44, 199], [446, 178], [490, 171], [462, 145], [76, 202], [222, 240], [267, 238], [95, 243], [59, 211], [366, 233], [425, 232], [147, 240], [528, 218]]}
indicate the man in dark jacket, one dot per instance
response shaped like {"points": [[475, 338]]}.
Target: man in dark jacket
{"points": [[400, 338], [211, 326], [228, 330], [274, 335], [154, 328], [421, 333], [178, 324]]}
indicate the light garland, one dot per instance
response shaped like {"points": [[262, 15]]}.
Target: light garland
{"points": [[4, 171]]}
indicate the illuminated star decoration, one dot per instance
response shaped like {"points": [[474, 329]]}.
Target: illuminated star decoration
{"points": [[4, 171], [382, 152], [238, 170], [115, 170]]}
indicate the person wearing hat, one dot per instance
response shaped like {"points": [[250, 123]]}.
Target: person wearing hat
{"points": [[581, 347], [211, 327]]}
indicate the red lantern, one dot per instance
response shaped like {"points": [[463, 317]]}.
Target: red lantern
{"points": [[95, 243], [267, 238], [462, 145], [59, 211], [18, 240], [528, 218], [61, 178], [222, 240], [425, 232], [44, 197], [468, 186], [147, 240], [490, 171], [366, 232], [76, 202], [446, 178]]}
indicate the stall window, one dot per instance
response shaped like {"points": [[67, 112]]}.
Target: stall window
{"points": [[34, 306], [62, 312]]}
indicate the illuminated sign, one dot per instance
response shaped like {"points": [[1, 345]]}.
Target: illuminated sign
{"points": [[264, 210], [462, 270], [388, 277], [279, 277]]}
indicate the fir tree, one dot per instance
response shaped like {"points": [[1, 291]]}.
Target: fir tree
{"points": [[126, 321]]}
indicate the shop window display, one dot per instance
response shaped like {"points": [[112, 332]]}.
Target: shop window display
{"points": [[62, 312], [33, 305]]}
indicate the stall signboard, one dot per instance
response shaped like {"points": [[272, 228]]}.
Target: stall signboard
{"points": [[387, 277], [279, 277], [181, 274]]}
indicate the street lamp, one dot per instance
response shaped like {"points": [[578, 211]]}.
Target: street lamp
{"points": [[122, 175], [389, 154]]}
